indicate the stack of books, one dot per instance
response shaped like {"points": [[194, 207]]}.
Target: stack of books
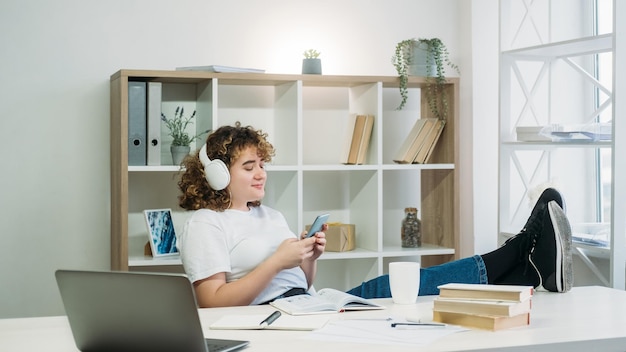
{"points": [[359, 140], [420, 143], [488, 307]]}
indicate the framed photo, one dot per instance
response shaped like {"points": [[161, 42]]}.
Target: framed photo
{"points": [[161, 232]]}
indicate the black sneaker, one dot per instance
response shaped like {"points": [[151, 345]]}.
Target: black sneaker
{"points": [[537, 214], [551, 255], [524, 273], [534, 224]]}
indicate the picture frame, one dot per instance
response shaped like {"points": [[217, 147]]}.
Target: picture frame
{"points": [[161, 232]]}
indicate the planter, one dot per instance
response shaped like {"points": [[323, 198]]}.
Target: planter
{"points": [[422, 61], [179, 152], [312, 66]]}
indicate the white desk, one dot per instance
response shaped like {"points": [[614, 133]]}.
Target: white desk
{"points": [[585, 319]]}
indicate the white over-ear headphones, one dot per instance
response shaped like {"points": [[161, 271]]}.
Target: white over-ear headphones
{"points": [[215, 171]]}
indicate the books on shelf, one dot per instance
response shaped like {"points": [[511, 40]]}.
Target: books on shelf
{"points": [[284, 322], [410, 147], [485, 322], [360, 140], [514, 293], [426, 151], [326, 300], [420, 143], [219, 68], [490, 307], [365, 140]]}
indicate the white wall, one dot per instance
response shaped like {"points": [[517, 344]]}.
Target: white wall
{"points": [[54, 101], [484, 111]]}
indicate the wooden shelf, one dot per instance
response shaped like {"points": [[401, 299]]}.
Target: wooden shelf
{"points": [[305, 177]]}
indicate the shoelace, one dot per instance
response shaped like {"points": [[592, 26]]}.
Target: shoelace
{"points": [[530, 260], [535, 225]]}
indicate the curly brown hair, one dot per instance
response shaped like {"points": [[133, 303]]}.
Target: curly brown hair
{"points": [[226, 143]]}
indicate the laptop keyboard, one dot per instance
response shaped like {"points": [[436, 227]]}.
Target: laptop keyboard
{"points": [[219, 345], [214, 347]]}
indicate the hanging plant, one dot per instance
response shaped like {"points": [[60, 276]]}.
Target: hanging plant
{"points": [[437, 57]]}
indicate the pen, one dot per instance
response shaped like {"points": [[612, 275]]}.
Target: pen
{"points": [[394, 325], [269, 320]]}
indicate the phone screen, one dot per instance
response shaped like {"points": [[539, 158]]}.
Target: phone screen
{"points": [[320, 220]]}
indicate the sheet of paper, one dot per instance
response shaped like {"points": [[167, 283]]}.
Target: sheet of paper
{"points": [[380, 332], [284, 322]]}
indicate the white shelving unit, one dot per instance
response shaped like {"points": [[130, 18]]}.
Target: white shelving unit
{"points": [[307, 120], [552, 73]]}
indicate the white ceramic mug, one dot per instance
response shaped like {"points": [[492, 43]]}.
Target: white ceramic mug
{"points": [[404, 281]]}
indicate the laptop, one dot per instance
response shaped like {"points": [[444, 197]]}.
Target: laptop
{"points": [[131, 311]]}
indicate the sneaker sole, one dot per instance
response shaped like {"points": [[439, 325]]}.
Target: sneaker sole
{"points": [[563, 239]]}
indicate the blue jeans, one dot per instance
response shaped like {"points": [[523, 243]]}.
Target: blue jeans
{"points": [[469, 270]]}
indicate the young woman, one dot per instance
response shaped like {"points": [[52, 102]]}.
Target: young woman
{"points": [[239, 252]]}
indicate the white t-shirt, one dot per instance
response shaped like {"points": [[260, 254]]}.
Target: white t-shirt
{"points": [[235, 242]]}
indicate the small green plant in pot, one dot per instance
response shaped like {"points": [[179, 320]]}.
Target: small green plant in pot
{"points": [[425, 57], [181, 140], [312, 64]]}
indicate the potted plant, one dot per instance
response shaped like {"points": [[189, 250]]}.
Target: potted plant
{"points": [[424, 57], [177, 127], [312, 64]]}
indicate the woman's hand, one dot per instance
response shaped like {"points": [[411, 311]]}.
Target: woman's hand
{"points": [[292, 253], [319, 244]]}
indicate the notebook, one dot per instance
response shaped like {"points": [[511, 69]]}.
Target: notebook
{"points": [[130, 311]]}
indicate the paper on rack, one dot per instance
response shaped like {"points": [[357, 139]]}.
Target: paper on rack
{"points": [[380, 332]]}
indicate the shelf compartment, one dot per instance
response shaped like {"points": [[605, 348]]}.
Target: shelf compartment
{"points": [[351, 197]]}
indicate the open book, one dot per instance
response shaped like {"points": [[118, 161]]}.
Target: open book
{"points": [[327, 300]]}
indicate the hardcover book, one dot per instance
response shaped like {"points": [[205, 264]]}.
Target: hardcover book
{"points": [[365, 140], [220, 68], [486, 292], [357, 136], [485, 322], [482, 307], [414, 141], [430, 142]]}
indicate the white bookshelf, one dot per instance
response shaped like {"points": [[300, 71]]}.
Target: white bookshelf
{"points": [[307, 120]]}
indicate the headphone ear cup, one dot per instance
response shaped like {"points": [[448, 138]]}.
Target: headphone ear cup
{"points": [[215, 171], [216, 174]]}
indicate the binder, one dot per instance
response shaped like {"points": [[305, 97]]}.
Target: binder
{"points": [[137, 123], [154, 123]]}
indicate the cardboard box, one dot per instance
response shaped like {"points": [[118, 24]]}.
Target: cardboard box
{"points": [[339, 237]]}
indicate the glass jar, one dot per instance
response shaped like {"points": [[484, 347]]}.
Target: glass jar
{"points": [[411, 231]]}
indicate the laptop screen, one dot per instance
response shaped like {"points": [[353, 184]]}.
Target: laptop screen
{"points": [[129, 311]]}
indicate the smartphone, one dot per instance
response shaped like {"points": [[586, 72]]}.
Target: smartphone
{"points": [[320, 220]]}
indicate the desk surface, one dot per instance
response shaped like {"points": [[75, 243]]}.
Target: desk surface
{"points": [[586, 318]]}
